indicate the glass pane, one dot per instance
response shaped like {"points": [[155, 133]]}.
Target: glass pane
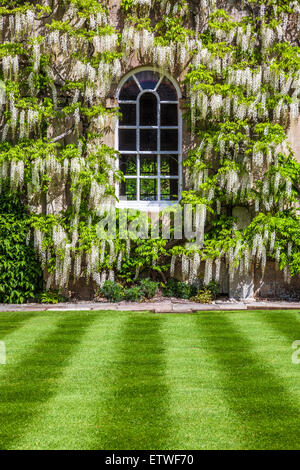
{"points": [[147, 79], [148, 139], [168, 115], [148, 165], [130, 90], [128, 190], [169, 190], [169, 165], [127, 139], [128, 164], [169, 139], [148, 110], [148, 189], [128, 114], [167, 91]]}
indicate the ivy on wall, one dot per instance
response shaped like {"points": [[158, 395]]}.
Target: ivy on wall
{"points": [[20, 272], [241, 63]]}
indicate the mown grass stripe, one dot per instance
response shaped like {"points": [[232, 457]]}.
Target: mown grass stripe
{"points": [[136, 405], [285, 325], [199, 416], [20, 340], [269, 418], [69, 419], [12, 321], [31, 382], [274, 346]]}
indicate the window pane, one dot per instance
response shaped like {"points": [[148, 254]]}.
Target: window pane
{"points": [[167, 91], [148, 110], [169, 165], [130, 90], [169, 139], [128, 164], [148, 139], [168, 115], [169, 190], [127, 139], [148, 189], [147, 79], [128, 114], [128, 190], [148, 165]]}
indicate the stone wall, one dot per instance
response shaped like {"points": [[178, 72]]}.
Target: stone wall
{"points": [[294, 137], [273, 284]]}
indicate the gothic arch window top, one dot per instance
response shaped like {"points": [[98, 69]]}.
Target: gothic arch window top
{"points": [[149, 138]]}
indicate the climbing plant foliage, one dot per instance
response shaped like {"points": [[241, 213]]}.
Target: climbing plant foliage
{"points": [[20, 272], [239, 63]]}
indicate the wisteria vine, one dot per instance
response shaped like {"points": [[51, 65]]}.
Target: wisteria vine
{"points": [[239, 66]]}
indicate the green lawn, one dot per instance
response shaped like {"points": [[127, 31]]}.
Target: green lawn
{"points": [[115, 380]]}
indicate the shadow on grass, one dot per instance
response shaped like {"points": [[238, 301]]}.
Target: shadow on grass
{"points": [[135, 414], [30, 383], [269, 418]]}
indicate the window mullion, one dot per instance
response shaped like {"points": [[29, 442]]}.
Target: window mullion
{"points": [[137, 82], [159, 82], [138, 177]]}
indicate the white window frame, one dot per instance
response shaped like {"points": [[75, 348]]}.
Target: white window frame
{"points": [[152, 206]]}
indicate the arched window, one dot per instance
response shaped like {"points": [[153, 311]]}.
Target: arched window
{"points": [[149, 139]]}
